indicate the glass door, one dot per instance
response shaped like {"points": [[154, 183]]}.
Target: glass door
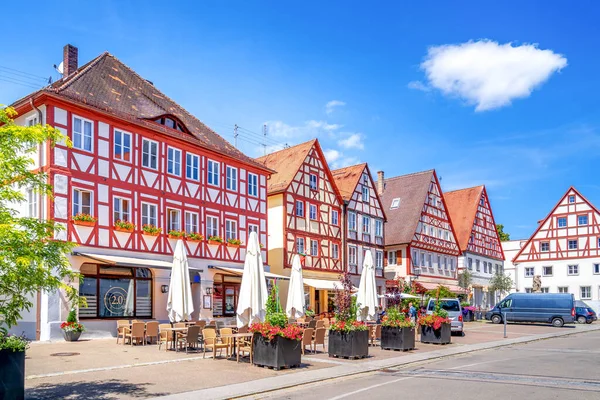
{"points": [[230, 298]]}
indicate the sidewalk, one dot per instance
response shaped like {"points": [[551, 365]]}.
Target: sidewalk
{"points": [[102, 369], [307, 377]]}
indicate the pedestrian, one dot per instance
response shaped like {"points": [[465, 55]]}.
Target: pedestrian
{"points": [[412, 310]]}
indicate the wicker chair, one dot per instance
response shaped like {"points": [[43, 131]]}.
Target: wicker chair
{"points": [[307, 339], [152, 330], [122, 329], [190, 338], [211, 341], [319, 338], [137, 333]]}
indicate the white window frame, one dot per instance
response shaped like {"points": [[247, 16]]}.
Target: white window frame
{"points": [[192, 166], [391, 258], [231, 229], [314, 248], [542, 247], [312, 207], [147, 217], [378, 228], [335, 217], [596, 269], [191, 222], [118, 209], [430, 260], [31, 121], [313, 183], [173, 161], [379, 259], [352, 221], [299, 208], [82, 135], [569, 241], [366, 224], [231, 180], [152, 154], [559, 219], [212, 172], [300, 247], [529, 272], [32, 203], [562, 289], [352, 255], [571, 199], [579, 220], [252, 184], [78, 207], [586, 297], [395, 203], [573, 269], [544, 272], [252, 228], [470, 264], [365, 194], [173, 219], [335, 251], [212, 226], [477, 266], [122, 147]]}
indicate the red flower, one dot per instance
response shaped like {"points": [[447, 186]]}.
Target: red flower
{"points": [[268, 331]]}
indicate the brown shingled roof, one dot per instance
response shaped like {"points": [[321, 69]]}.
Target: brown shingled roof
{"points": [[462, 207], [105, 83], [286, 164], [347, 178], [412, 191]]}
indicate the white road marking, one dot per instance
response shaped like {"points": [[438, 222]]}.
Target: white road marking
{"points": [[372, 387]]}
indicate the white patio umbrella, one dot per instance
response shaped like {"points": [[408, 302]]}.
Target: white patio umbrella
{"points": [[367, 290], [128, 311], [252, 300], [180, 303], [294, 306]]}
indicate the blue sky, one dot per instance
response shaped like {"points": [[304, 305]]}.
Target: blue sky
{"points": [[455, 86]]}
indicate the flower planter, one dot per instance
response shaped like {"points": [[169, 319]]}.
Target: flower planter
{"points": [[277, 353], [175, 237], [214, 242], [353, 344], [235, 246], [194, 240], [469, 316], [397, 338], [71, 336], [436, 336], [119, 229], [151, 233], [12, 374], [84, 223]]}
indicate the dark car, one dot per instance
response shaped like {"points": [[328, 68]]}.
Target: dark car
{"points": [[555, 308], [584, 313]]}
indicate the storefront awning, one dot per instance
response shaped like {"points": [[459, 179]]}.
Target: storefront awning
{"points": [[240, 272], [452, 288], [127, 261], [323, 284]]}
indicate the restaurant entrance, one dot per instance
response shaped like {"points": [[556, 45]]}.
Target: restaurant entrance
{"points": [[226, 291]]}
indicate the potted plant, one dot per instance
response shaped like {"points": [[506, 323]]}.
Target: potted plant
{"points": [[175, 234], [151, 230], [468, 312], [435, 327], [234, 242], [276, 343], [215, 240], [72, 329], [195, 237], [348, 337], [84, 219], [262, 246], [124, 226], [397, 331], [12, 366]]}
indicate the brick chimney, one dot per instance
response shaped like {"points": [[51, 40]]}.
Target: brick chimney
{"points": [[69, 60], [380, 184]]}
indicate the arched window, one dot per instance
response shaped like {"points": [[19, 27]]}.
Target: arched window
{"points": [[115, 292], [171, 122]]}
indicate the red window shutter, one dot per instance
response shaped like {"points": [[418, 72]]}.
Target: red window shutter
{"points": [[399, 257], [385, 255]]}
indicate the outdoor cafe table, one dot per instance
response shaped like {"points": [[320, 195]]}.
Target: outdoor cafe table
{"points": [[236, 336], [175, 331]]}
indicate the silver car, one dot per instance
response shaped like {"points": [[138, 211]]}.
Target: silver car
{"points": [[452, 306]]}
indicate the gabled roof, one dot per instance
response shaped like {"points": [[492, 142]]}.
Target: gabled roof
{"points": [[347, 178], [286, 164], [108, 85], [462, 208], [412, 190]]}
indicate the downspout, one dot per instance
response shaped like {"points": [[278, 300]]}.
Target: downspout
{"points": [[344, 235], [38, 308]]}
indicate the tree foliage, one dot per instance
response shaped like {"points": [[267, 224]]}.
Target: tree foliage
{"points": [[500, 282], [30, 258], [441, 292], [465, 278], [504, 237]]}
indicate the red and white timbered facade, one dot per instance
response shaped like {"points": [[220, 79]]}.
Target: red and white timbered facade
{"points": [[564, 251]]}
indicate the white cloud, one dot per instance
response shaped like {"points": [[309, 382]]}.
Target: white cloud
{"points": [[344, 162], [418, 85], [312, 128], [488, 74], [331, 105], [331, 155], [353, 141]]}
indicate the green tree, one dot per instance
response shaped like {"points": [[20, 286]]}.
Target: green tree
{"points": [[500, 282], [465, 279], [30, 258], [504, 237]]}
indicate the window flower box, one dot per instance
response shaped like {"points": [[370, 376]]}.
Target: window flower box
{"points": [[215, 240], [119, 229], [194, 237], [124, 226], [151, 230], [235, 243], [84, 220], [173, 234]]}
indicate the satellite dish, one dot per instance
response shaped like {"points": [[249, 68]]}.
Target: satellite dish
{"points": [[59, 69]]}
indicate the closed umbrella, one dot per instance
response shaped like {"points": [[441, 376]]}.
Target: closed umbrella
{"points": [[129, 300], [252, 300], [180, 303], [295, 299], [367, 290]]}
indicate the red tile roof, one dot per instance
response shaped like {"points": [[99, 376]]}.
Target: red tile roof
{"points": [[106, 84], [462, 207], [347, 178], [412, 191]]}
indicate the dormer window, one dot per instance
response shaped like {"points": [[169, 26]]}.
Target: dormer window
{"points": [[170, 122], [395, 203]]}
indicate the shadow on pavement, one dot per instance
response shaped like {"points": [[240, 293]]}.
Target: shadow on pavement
{"points": [[106, 389]]}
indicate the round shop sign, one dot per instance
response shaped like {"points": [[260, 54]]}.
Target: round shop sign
{"points": [[114, 300]]}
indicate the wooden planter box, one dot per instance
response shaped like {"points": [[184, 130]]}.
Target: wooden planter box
{"points": [[71, 336], [354, 344], [176, 237], [440, 336], [194, 240], [235, 246], [12, 374], [214, 242], [84, 223], [151, 233], [119, 229], [277, 353], [397, 338]]}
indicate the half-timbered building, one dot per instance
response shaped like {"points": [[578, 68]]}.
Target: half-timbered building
{"points": [[564, 251], [305, 217], [364, 218], [144, 170], [478, 240], [420, 242]]}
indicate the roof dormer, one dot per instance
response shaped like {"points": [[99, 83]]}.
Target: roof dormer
{"points": [[172, 122]]}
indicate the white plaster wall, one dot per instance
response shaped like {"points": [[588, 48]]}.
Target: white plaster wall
{"points": [[510, 249]]}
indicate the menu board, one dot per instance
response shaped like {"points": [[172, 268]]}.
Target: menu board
{"points": [[217, 302]]}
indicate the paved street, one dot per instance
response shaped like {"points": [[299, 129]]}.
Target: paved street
{"points": [[565, 368]]}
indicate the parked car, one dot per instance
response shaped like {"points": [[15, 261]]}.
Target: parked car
{"points": [[584, 313], [555, 308], [452, 306]]}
